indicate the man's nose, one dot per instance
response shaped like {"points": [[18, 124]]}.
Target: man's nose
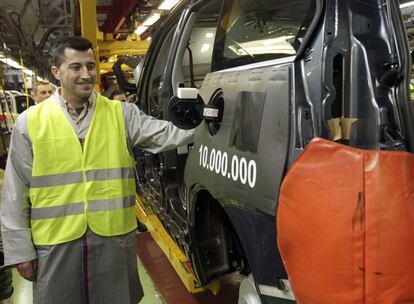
{"points": [[85, 73]]}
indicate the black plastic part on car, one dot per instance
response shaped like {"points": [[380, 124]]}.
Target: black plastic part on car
{"points": [[123, 84], [186, 114]]}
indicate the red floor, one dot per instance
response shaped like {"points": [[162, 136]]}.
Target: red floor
{"points": [[169, 284]]}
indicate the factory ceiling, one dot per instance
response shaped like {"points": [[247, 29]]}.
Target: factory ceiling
{"points": [[30, 28]]}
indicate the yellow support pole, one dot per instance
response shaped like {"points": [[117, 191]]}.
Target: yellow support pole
{"points": [[24, 81], [89, 27]]}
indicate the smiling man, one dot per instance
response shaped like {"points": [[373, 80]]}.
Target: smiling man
{"points": [[68, 206]]}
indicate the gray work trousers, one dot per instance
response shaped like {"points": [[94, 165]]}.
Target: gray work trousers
{"points": [[90, 270]]}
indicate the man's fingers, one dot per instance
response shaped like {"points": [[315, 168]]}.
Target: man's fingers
{"points": [[34, 264], [25, 270], [28, 270]]}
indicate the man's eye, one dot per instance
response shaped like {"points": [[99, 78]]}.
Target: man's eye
{"points": [[75, 67]]}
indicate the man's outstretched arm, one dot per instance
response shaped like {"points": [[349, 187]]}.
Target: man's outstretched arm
{"points": [[153, 135]]}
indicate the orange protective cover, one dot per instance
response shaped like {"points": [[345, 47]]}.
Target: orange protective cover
{"points": [[345, 225]]}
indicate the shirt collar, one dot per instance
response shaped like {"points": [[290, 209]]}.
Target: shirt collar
{"points": [[65, 104]]}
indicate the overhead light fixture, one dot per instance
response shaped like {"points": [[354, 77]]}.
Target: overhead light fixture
{"points": [[411, 3], [11, 62], [168, 4], [14, 64], [140, 29], [152, 19]]}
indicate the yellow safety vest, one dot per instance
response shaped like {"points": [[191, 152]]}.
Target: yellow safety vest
{"points": [[72, 189]]}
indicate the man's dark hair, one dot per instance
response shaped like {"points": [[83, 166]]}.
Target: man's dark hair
{"points": [[75, 42]]}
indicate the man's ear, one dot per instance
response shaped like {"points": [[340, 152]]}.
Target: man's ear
{"points": [[55, 72]]}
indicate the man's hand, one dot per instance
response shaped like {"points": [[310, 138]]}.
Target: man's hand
{"points": [[28, 270]]}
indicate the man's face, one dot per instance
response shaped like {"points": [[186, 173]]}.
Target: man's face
{"points": [[43, 91], [77, 74]]}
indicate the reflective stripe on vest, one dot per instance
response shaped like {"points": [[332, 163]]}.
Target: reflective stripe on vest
{"points": [[103, 174], [108, 204], [56, 179], [56, 211], [77, 177], [72, 189]]}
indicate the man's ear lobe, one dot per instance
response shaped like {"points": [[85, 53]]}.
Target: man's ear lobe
{"points": [[55, 72]]}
